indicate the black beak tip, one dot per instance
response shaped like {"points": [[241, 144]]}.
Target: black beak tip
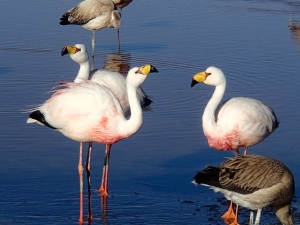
{"points": [[194, 82], [154, 70], [64, 51]]}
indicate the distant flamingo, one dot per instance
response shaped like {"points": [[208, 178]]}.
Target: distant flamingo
{"points": [[90, 112], [93, 15], [121, 4], [237, 122]]}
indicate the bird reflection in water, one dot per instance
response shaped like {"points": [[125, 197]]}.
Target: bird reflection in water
{"points": [[118, 62], [294, 27]]}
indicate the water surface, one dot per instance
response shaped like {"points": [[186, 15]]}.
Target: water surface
{"points": [[151, 171]]}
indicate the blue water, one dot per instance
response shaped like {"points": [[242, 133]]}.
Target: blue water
{"points": [[151, 171]]}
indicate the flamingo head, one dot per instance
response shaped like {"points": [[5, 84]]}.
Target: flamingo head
{"points": [[211, 76], [77, 53], [137, 75]]}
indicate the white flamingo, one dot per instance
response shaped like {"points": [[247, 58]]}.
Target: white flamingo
{"points": [[254, 182], [237, 122], [90, 112], [113, 80], [93, 15]]}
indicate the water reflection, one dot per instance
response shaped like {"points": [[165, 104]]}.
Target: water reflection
{"points": [[118, 61], [294, 27]]}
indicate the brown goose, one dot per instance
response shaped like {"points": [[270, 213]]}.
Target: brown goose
{"points": [[254, 182], [93, 15]]}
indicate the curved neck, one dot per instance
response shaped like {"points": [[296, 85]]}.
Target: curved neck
{"points": [[83, 73], [208, 118], [129, 127]]}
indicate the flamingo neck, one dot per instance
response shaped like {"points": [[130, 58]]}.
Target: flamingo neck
{"points": [[129, 127], [83, 73], [208, 118]]}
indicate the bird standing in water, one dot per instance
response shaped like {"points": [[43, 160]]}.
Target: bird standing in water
{"points": [[237, 122], [90, 112], [254, 182], [93, 15]]}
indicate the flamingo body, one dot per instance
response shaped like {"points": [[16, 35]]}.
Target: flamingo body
{"points": [[113, 80], [237, 122], [84, 112], [242, 122], [93, 15]]}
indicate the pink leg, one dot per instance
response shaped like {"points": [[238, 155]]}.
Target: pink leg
{"points": [[245, 150], [88, 173], [104, 184], [80, 171]]}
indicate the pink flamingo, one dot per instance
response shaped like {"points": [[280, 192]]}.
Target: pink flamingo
{"points": [[90, 112], [237, 122]]}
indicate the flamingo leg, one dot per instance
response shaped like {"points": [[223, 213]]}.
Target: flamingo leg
{"points": [[104, 184], [229, 215], [238, 151], [88, 173], [245, 150], [93, 49], [80, 172]]}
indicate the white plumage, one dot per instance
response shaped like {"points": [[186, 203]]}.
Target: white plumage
{"points": [[237, 122], [113, 80], [90, 112]]}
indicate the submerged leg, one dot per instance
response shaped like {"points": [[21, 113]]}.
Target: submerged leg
{"points": [[104, 184], [229, 215], [80, 172], [88, 173], [93, 49]]}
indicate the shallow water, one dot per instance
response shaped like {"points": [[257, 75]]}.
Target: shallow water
{"points": [[151, 171]]}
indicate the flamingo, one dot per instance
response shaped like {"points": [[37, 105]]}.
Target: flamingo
{"points": [[90, 112], [121, 4], [237, 122], [93, 15], [254, 182], [113, 80]]}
